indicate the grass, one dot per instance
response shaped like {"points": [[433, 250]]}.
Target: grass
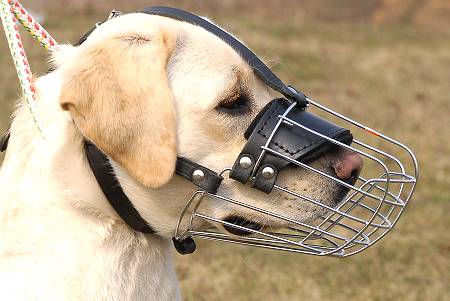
{"points": [[393, 78]]}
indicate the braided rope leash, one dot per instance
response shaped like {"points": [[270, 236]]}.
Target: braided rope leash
{"points": [[10, 10], [32, 26]]}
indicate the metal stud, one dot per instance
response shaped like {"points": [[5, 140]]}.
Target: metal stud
{"points": [[198, 176], [268, 172], [245, 162]]}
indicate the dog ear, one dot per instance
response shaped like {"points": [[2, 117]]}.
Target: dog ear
{"points": [[118, 94]]}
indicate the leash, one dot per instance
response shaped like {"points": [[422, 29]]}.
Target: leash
{"points": [[12, 11]]}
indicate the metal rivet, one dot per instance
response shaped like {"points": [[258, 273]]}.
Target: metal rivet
{"points": [[245, 162], [268, 172], [197, 176]]}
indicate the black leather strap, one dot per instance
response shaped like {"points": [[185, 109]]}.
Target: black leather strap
{"points": [[87, 34], [4, 141], [104, 173], [211, 180]]}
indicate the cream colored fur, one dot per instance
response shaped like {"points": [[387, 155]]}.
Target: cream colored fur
{"points": [[144, 89]]}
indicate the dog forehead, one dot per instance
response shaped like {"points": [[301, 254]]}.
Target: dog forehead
{"points": [[202, 46], [209, 50]]}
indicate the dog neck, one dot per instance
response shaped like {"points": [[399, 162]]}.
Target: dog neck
{"points": [[57, 230]]}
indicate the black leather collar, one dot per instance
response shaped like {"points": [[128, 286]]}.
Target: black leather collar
{"points": [[107, 180], [104, 173]]}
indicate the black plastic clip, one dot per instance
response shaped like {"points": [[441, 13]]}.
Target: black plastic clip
{"points": [[185, 246]]}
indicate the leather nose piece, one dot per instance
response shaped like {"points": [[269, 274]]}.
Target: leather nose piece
{"points": [[347, 166]]}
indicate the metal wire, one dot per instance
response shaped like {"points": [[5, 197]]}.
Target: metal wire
{"points": [[370, 210]]}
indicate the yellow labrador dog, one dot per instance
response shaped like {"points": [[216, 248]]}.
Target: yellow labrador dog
{"points": [[145, 89]]}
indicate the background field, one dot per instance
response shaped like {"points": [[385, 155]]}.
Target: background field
{"points": [[384, 62]]}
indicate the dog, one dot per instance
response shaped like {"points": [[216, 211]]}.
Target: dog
{"points": [[144, 89]]}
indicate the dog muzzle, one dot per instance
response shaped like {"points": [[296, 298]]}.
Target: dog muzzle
{"points": [[286, 134]]}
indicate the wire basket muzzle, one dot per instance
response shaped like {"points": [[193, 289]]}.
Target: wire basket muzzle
{"points": [[369, 210]]}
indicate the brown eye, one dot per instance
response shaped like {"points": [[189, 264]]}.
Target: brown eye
{"points": [[235, 106]]}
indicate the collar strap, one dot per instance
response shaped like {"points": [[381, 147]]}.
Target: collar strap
{"points": [[100, 165], [104, 173]]}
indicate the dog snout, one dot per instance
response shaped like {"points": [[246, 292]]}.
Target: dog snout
{"points": [[347, 166]]}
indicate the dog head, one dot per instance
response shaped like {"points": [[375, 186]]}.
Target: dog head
{"points": [[146, 88]]}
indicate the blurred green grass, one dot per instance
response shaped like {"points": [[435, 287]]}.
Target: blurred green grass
{"points": [[394, 78]]}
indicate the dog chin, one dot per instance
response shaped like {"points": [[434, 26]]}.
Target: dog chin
{"points": [[241, 222], [309, 216]]}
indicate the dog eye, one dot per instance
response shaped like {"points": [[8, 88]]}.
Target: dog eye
{"points": [[234, 106]]}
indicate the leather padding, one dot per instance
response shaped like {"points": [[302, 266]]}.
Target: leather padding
{"points": [[290, 141]]}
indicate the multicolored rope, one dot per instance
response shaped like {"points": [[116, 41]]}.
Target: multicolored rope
{"points": [[31, 25], [10, 10]]}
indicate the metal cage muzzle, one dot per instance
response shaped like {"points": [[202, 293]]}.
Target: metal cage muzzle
{"points": [[283, 135]]}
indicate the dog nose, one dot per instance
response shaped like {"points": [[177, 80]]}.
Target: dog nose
{"points": [[347, 166]]}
